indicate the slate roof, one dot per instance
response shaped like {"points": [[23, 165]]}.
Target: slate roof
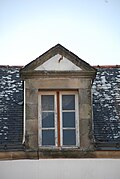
{"points": [[106, 108], [11, 108]]}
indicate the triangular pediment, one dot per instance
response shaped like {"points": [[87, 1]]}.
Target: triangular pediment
{"points": [[58, 59], [58, 63]]}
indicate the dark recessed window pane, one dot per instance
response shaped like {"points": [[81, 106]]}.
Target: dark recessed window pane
{"points": [[68, 119], [47, 119], [68, 102], [69, 137], [47, 102], [48, 137]]}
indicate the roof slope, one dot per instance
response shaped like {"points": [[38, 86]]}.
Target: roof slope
{"points": [[11, 108], [106, 105]]}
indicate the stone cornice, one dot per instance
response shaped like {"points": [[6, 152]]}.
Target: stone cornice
{"points": [[56, 74], [15, 155]]}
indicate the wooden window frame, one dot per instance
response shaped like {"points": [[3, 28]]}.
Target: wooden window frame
{"points": [[76, 117], [58, 118], [40, 121]]}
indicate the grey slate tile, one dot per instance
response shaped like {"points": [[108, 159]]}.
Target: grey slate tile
{"points": [[106, 105]]}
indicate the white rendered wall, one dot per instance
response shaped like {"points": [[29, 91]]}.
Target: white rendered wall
{"points": [[60, 169]]}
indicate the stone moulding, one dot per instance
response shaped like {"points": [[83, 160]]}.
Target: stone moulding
{"points": [[15, 155]]}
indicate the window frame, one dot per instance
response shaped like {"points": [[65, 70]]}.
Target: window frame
{"points": [[76, 118], [40, 119], [58, 118]]}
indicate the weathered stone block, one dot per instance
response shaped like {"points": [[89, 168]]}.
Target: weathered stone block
{"points": [[55, 83], [32, 126], [31, 141], [85, 111], [31, 111], [84, 126], [31, 96], [85, 96]]}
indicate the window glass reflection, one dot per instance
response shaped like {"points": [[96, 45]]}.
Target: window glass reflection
{"points": [[68, 102], [69, 137], [48, 137], [47, 102], [47, 119], [68, 119]]}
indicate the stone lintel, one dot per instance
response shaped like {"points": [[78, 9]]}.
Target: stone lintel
{"points": [[57, 83]]}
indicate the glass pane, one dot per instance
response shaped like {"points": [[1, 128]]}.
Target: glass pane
{"points": [[68, 102], [47, 119], [47, 102], [48, 137], [68, 119], [69, 137]]}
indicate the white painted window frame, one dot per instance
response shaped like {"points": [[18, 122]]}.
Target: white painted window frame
{"points": [[61, 92], [76, 118], [40, 118]]}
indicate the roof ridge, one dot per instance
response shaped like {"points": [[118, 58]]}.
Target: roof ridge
{"points": [[11, 66], [106, 66], [95, 66]]}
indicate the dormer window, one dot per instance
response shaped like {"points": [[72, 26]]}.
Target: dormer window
{"points": [[58, 111], [58, 119]]}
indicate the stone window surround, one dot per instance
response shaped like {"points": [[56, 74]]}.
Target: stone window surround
{"points": [[32, 87]]}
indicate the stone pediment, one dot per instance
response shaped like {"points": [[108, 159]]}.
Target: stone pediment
{"points": [[58, 63], [57, 60]]}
